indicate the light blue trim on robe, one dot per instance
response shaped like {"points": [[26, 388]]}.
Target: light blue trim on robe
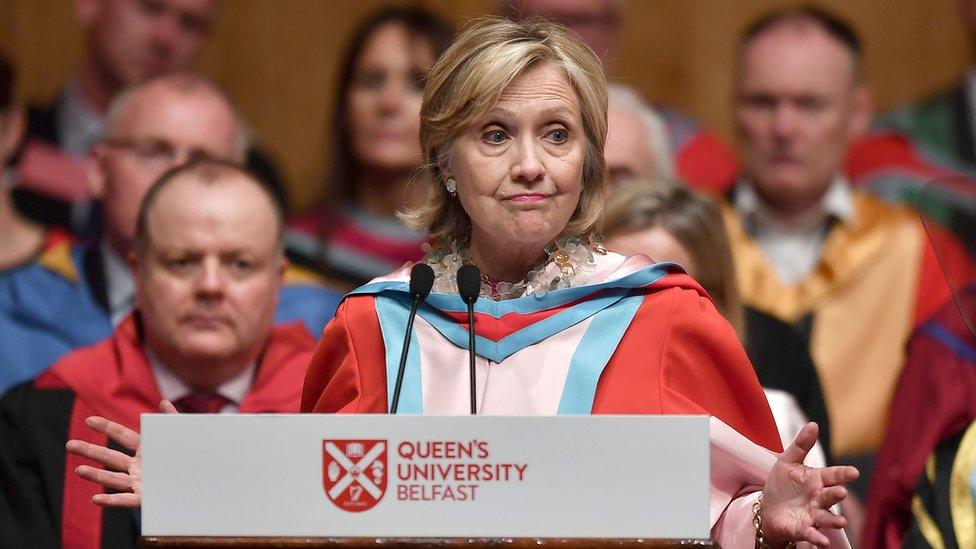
{"points": [[591, 357], [529, 335], [393, 322], [452, 303], [600, 296]]}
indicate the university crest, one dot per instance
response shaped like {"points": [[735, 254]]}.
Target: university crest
{"points": [[354, 473]]}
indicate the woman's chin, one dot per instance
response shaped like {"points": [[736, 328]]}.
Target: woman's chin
{"points": [[529, 236]]}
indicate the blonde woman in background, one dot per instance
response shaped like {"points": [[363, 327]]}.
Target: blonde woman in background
{"points": [[670, 222]]}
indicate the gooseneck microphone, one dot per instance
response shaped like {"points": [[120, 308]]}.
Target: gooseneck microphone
{"points": [[421, 281], [469, 286]]}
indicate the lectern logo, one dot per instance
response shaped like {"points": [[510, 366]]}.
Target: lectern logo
{"points": [[354, 473]]}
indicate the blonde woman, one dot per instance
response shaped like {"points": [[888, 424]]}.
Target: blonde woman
{"points": [[670, 222], [513, 125]]}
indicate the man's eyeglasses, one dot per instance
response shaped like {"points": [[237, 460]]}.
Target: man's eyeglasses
{"points": [[157, 151]]}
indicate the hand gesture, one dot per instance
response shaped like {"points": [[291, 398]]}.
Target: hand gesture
{"points": [[797, 499], [122, 472]]}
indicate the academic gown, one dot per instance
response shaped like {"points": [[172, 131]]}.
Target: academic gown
{"points": [[943, 513], [878, 278], [935, 401], [637, 338], [59, 303], [43, 503]]}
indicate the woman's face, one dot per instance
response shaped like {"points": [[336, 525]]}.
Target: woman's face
{"points": [[383, 106], [655, 243], [519, 169]]}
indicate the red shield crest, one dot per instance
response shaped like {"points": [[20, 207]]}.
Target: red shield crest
{"points": [[354, 473]]}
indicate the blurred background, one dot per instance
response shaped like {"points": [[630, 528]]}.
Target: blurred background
{"points": [[279, 59]]}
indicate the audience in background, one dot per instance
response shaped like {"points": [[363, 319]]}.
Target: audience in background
{"points": [[637, 141], [839, 298], [75, 293], [700, 158], [209, 267], [669, 222], [125, 42], [354, 235], [22, 239], [852, 274]]}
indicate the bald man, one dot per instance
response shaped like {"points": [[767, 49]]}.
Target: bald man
{"points": [[853, 274], [209, 269], [637, 143], [75, 293], [125, 43]]}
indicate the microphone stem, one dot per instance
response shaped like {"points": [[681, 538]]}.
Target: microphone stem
{"points": [[474, 397], [403, 355]]}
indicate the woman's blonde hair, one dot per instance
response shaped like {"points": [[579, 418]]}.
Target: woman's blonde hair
{"points": [[695, 221], [467, 81]]}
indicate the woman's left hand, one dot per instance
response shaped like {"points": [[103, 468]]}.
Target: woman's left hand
{"points": [[797, 499]]}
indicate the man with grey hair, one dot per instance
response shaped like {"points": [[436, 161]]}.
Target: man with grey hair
{"points": [[637, 141], [153, 127], [125, 42]]}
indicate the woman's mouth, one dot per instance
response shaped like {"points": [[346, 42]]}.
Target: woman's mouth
{"points": [[527, 197]]}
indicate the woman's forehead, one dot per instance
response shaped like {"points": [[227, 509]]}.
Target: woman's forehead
{"points": [[542, 87]]}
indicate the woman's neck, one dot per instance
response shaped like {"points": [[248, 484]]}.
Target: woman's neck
{"points": [[502, 261], [383, 193], [22, 238]]}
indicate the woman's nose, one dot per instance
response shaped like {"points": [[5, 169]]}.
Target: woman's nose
{"points": [[391, 97], [528, 166]]}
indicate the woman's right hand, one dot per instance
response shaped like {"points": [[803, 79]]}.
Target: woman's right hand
{"points": [[121, 472]]}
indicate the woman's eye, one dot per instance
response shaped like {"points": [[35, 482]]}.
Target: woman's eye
{"points": [[495, 137], [559, 135], [371, 80]]}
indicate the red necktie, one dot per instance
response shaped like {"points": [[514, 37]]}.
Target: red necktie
{"points": [[201, 403]]}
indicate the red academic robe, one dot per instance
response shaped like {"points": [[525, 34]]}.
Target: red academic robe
{"points": [[935, 400], [678, 356], [43, 502]]}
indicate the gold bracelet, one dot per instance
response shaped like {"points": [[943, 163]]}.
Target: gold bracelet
{"points": [[757, 523]]}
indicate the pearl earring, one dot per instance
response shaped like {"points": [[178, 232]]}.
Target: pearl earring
{"points": [[451, 186]]}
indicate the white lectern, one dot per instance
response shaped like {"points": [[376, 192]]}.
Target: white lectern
{"points": [[355, 481]]}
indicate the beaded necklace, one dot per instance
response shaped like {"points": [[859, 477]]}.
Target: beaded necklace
{"points": [[569, 259]]}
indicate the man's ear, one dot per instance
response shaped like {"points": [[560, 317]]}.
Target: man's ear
{"points": [[862, 112], [283, 267], [95, 171]]}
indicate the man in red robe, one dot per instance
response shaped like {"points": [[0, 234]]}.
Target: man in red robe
{"points": [[208, 267], [935, 401]]}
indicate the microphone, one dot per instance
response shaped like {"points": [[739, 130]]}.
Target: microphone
{"points": [[421, 281], [469, 286]]}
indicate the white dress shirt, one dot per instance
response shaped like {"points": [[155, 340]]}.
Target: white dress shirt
{"points": [[172, 388], [119, 286], [793, 247]]}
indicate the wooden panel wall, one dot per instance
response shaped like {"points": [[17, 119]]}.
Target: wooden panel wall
{"points": [[279, 58]]}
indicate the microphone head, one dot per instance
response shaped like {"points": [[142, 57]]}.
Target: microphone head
{"points": [[469, 283], [421, 280]]}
